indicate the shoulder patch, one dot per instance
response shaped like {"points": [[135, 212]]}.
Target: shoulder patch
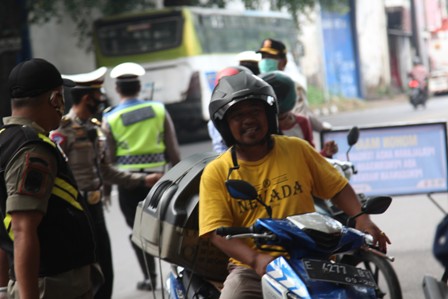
{"points": [[58, 138]]}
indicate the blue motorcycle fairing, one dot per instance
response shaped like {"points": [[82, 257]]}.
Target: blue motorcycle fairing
{"points": [[282, 273], [176, 287], [299, 244]]}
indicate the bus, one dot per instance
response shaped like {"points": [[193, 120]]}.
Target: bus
{"points": [[183, 48]]}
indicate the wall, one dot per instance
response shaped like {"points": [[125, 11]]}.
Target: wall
{"points": [[371, 30], [311, 63]]}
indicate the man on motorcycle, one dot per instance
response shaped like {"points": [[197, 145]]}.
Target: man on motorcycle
{"points": [[420, 74], [285, 170]]}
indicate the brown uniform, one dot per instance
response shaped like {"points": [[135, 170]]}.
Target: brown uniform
{"points": [[85, 146], [24, 194]]}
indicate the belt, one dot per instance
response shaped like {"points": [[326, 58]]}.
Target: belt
{"points": [[148, 170], [92, 197]]}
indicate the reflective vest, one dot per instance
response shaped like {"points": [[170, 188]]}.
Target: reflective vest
{"points": [[65, 233], [138, 130]]}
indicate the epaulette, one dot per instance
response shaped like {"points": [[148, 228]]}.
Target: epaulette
{"points": [[96, 122]]}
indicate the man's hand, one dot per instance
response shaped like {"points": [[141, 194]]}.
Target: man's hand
{"points": [[261, 262], [364, 224], [152, 178]]}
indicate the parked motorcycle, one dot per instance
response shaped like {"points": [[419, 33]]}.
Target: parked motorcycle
{"points": [[417, 93], [376, 262]]}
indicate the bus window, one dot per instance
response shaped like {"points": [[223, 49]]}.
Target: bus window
{"points": [[138, 36], [182, 49]]}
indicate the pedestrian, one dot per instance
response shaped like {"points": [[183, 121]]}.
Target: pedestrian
{"points": [[291, 123], [81, 138], [273, 58], [142, 140], [244, 110], [47, 232]]}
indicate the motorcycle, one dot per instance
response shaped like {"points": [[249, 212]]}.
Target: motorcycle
{"points": [[166, 226], [310, 240], [417, 93], [376, 262]]}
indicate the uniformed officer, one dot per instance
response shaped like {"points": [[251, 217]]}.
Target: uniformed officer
{"points": [[47, 233], [143, 140], [82, 140]]}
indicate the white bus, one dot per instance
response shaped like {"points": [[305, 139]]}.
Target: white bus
{"points": [[183, 48]]}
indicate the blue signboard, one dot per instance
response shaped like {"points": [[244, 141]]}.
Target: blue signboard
{"points": [[340, 60], [397, 160]]}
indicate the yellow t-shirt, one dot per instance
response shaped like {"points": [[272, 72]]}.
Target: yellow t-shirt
{"points": [[285, 179]]}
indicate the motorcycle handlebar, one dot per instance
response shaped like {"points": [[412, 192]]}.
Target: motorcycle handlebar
{"points": [[225, 231]]}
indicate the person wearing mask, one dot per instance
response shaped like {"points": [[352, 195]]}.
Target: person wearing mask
{"points": [[81, 138], [47, 232], [290, 123], [142, 139], [244, 110], [273, 58]]}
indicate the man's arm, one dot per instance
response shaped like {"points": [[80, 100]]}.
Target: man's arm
{"points": [[347, 201], [26, 252], [29, 179], [239, 250], [170, 138]]}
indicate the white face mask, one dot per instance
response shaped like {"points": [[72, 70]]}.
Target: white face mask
{"points": [[268, 65]]}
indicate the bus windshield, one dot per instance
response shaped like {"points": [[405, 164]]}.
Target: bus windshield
{"points": [[217, 32]]}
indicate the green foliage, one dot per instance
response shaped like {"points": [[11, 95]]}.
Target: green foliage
{"points": [[83, 12], [315, 95]]}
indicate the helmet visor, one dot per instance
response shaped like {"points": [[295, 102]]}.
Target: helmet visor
{"points": [[221, 112]]}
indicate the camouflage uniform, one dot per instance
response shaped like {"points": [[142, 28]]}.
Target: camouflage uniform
{"points": [[85, 146]]}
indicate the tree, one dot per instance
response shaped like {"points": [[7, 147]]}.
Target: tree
{"points": [[82, 12]]}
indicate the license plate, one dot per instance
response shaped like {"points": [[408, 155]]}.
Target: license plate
{"points": [[338, 273]]}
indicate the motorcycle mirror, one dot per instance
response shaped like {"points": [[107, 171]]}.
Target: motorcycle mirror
{"points": [[240, 189], [376, 205], [353, 136]]}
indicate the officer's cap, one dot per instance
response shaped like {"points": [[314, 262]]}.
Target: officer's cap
{"points": [[34, 77], [273, 47], [127, 71], [92, 79]]}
